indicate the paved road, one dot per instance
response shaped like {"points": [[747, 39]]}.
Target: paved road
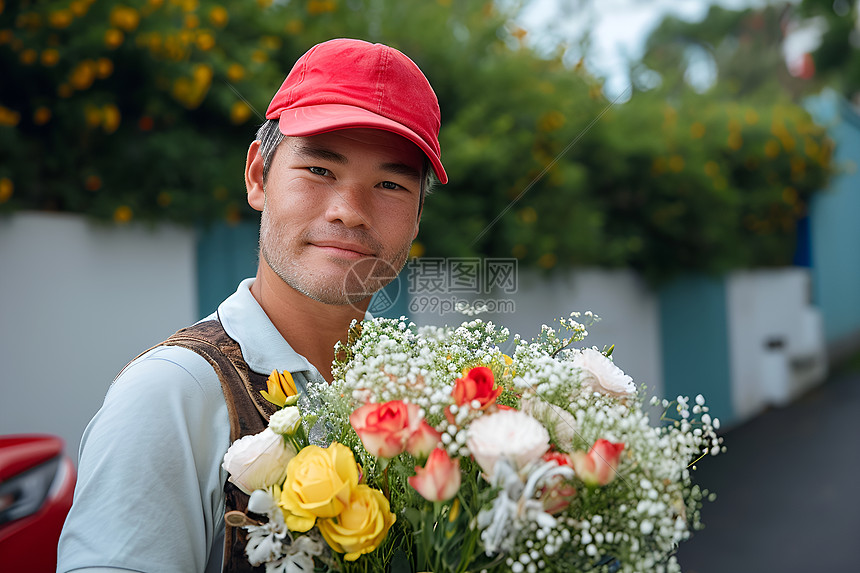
{"points": [[788, 490]]}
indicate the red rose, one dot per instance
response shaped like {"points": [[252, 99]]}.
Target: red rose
{"points": [[477, 384], [560, 458]]}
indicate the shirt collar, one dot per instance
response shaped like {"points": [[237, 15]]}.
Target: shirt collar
{"points": [[263, 347]]}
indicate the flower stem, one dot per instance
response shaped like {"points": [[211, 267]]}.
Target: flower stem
{"points": [[385, 488]]}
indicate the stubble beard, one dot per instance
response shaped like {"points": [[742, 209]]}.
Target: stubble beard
{"points": [[358, 281]]}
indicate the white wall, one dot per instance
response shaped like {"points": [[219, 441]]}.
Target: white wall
{"points": [[77, 302], [628, 309], [772, 306]]}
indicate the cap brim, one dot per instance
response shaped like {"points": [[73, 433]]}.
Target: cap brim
{"points": [[331, 117]]}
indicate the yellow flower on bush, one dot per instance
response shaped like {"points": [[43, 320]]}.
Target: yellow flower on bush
{"points": [[235, 72], [104, 68], [9, 117], [113, 38], [79, 7], [361, 526], [124, 18], [83, 75], [41, 115], [239, 112], [28, 56], [205, 41], [6, 189], [110, 118], [416, 250], [319, 484], [218, 16], [294, 26], [93, 116], [123, 214], [60, 19], [551, 121], [281, 386], [50, 57]]}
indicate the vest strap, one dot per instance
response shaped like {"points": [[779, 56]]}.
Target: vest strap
{"points": [[249, 414]]}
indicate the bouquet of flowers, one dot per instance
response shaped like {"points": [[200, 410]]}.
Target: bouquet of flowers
{"points": [[432, 450]]}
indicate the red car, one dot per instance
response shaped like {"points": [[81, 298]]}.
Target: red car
{"points": [[37, 482]]}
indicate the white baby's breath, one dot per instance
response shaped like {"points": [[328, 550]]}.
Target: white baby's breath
{"points": [[563, 396]]}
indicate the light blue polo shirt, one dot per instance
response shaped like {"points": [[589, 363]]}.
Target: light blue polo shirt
{"points": [[150, 489]]}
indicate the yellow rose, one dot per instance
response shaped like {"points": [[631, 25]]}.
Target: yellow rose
{"points": [[319, 482], [361, 526]]}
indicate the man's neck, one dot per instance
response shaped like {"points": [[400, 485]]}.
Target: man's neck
{"points": [[310, 327]]}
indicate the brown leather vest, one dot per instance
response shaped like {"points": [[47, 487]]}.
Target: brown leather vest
{"points": [[249, 414]]}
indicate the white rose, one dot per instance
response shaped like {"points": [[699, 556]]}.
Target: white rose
{"points": [[511, 434], [285, 421], [258, 461], [602, 375]]}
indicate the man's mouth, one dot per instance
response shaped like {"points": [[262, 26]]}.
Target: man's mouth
{"points": [[344, 249]]}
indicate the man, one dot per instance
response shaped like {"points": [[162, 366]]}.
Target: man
{"points": [[339, 172]]}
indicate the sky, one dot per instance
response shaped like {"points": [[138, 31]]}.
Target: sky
{"points": [[619, 28]]}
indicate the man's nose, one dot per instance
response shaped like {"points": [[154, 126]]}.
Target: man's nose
{"points": [[348, 204]]}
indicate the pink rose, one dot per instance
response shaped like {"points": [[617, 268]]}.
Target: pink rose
{"points": [[423, 441], [557, 496], [385, 429], [598, 466], [439, 479], [477, 384]]}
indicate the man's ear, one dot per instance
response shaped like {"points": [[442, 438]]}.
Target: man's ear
{"points": [[254, 177]]}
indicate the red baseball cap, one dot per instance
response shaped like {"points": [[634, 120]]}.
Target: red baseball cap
{"points": [[346, 83]]}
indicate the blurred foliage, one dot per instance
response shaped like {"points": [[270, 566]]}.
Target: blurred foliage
{"points": [[735, 160], [131, 109], [143, 110], [837, 58], [743, 49]]}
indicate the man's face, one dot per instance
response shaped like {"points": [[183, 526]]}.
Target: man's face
{"points": [[340, 211]]}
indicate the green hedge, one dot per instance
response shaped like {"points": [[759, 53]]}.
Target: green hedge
{"points": [[143, 111]]}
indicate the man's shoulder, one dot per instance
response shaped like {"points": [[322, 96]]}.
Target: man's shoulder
{"points": [[168, 367]]}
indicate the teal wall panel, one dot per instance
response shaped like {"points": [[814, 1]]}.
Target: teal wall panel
{"points": [[226, 254], [834, 226], [393, 300], [695, 342]]}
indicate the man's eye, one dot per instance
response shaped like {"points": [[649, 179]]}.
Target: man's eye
{"points": [[389, 185], [319, 171]]}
